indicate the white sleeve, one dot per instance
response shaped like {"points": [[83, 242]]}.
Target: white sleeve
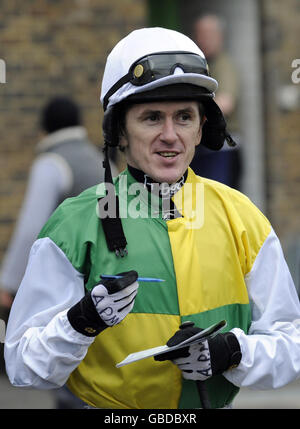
{"points": [[271, 350], [50, 178], [41, 347]]}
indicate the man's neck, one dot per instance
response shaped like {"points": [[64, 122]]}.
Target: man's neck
{"points": [[165, 190]]}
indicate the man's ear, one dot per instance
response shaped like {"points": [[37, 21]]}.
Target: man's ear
{"points": [[123, 142], [202, 122]]}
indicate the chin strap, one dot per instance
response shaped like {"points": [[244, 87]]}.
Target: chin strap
{"points": [[229, 139], [112, 226]]}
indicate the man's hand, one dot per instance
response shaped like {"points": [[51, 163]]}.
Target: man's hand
{"points": [[202, 360], [106, 305], [114, 299]]}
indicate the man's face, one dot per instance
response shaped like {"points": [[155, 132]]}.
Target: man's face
{"points": [[160, 138]]}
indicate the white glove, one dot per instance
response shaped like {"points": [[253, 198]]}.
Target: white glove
{"points": [[205, 359], [113, 307], [197, 366], [106, 305]]}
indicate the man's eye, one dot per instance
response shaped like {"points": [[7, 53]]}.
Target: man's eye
{"points": [[153, 117], [185, 117]]}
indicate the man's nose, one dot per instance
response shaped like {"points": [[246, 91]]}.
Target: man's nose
{"points": [[168, 132]]}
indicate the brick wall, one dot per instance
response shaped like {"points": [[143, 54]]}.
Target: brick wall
{"points": [[51, 47], [280, 37]]}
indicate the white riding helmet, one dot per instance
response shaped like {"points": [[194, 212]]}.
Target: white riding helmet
{"points": [[142, 44], [158, 64]]}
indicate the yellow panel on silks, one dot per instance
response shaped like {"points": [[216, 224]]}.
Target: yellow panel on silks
{"points": [[211, 250], [214, 245]]}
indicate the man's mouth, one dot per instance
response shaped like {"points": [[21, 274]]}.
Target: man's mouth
{"points": [[168, 154]]}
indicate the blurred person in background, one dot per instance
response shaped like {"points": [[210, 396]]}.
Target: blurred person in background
{"points": [[226, 165], [66, 164]]}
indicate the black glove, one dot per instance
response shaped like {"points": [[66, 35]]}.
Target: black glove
{"points": [[204, 359], [105, 305]]}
